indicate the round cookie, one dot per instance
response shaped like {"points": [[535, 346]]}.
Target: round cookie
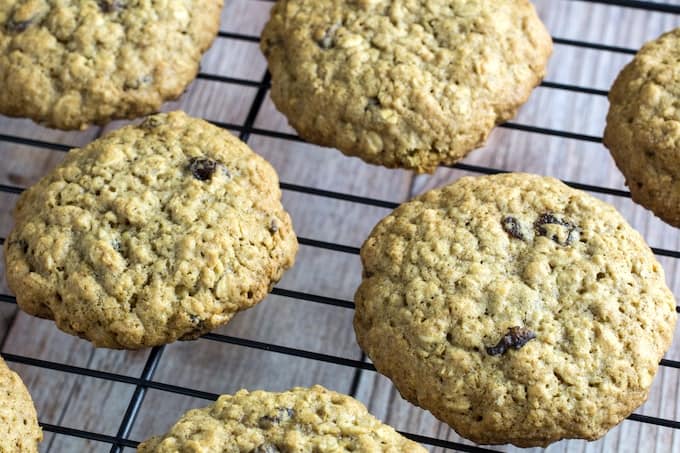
{"points": [[150, 234], [403, 84], [69, 64], [299, 420], [19, 430], [515, 309], [643, 126]]}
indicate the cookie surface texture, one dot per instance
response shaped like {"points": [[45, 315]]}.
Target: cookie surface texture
{"points": [[404, 83], [19, 430], [301, 420], [515, 309], [643, 126], [68, 64], [150, 234]]}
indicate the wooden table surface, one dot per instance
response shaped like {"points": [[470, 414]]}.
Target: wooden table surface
{"points": [[96, 405]]}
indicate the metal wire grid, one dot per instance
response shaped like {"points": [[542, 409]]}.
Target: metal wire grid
{"points": [[145, 381]]}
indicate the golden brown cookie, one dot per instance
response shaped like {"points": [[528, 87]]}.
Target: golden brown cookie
{"points": [[301, 420], [643, 126], [515, 309], [67, 64], [150, 234], [411, 84], [19, 430]]}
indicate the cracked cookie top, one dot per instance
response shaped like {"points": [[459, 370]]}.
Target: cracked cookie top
{"points": [[643, 126], [299, 420], [515, 309], [67, 64], [153, 233], [403, 83]]}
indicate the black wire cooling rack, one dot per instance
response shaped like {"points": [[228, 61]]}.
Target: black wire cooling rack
{"points": [[146, 380]]}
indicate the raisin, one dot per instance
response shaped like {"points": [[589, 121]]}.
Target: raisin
{"points": [[110, 6], [198, 329], [268, 421], [266, 448], [372, 102], [150, 122], [18, 27], [21, 243], [202, 168], [547, 219], [274, 226], [551, 219], [512, 227], [515, 338]]}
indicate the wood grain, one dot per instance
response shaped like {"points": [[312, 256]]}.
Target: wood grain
{"points": [[98, 405]]}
